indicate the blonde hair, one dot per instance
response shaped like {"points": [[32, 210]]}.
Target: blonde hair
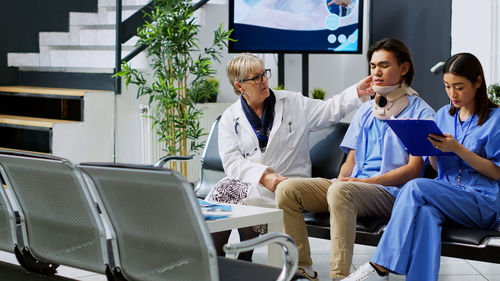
{"points": [[239, 67]]}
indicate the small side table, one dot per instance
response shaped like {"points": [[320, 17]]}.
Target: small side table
{"points": [[244, 216]]}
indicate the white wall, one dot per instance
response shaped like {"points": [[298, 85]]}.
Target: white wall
{"points": [[475, 29], [91, 140], [129, 147]]}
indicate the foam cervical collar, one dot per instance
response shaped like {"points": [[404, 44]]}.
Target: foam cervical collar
{"points": [[390, 100]]}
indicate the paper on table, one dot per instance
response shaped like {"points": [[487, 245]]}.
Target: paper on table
{"points": [[212, 211]]}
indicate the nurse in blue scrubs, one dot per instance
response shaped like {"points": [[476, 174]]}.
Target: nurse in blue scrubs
{"points": [[466, 191]]}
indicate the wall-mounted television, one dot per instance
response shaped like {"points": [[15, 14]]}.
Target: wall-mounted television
{"points": [[295, 26]]}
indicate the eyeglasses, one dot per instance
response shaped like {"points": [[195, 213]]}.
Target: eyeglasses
{"points": [[258, 79]]}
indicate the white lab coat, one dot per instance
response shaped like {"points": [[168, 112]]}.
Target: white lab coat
{"points": [[287, 150]]}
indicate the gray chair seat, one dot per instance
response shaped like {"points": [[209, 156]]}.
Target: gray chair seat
{"points": [[231, 270], [469, 236]]}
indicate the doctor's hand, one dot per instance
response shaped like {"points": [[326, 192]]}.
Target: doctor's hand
{"points": [[343, 3], [446, 144], [271, 180], [364, 87]]}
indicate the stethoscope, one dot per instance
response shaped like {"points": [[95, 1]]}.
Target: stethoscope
{"points": [[236, 124]]}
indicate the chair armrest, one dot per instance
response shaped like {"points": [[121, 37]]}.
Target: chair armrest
{"points": [[290, 254], [162, 161]]}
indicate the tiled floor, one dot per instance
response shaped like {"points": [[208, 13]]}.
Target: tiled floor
{"points": [[451, 269]]}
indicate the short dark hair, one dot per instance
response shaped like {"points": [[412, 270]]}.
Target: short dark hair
{"points": [[468, 66], [400, 51]]}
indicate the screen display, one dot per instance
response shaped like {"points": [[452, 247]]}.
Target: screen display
{"points": [[296, 26]]}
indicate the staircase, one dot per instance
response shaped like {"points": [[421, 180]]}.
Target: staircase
{"points": [[64, 104], [72, 123], [89, 46]]}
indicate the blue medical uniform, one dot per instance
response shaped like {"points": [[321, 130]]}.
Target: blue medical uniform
{"points": [[411, 244], [367, 134]]}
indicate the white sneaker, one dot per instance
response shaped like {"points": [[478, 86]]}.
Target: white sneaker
{"points": [[366, 273]]}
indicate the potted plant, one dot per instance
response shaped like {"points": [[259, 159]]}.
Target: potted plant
{"points": [[318, 93], [279, 87], [209, 89], [178, 68], [494, 93]]}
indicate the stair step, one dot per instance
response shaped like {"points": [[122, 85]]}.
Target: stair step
{"points": [[88, 48], [50, 38], [102, 34], [51, 120], [23, 59], [131, 7], [108, 3], [27, 133], [100, 37], [29, 90], [108, 71], [58, 104], [66, 77], [78, 18], [21, 150], [106, 26], [24, 121], [72, 59]]}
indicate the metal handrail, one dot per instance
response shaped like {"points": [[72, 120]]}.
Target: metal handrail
{"points": [[127, 29]]}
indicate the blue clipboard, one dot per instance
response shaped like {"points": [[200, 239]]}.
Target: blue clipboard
{"points": [[413, 134]]}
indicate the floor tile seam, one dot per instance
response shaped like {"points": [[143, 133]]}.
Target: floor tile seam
{"points": [[476, 269]]}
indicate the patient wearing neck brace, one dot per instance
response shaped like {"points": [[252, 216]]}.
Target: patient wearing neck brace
{"points": [[391, 100]]}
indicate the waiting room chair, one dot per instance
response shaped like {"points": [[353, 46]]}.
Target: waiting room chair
{"points": [[211, 165], [59, 220], [211, 170], [162, 234], [8, 238]]}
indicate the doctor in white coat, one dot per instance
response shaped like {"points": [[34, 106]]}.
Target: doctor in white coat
{"points": [[263, 137]]}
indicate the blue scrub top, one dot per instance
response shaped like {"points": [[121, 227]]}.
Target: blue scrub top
{"points": [[394, 154], [483, 140], [373, 159]]}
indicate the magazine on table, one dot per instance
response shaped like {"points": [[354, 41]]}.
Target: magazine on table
{"points": [[213, 211]]}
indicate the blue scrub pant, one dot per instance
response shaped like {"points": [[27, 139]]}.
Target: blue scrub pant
{"points": [[411, 245]]}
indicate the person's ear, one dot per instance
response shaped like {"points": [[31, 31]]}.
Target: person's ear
{"points": [[239, 86], [405, 67], [479, 81]]}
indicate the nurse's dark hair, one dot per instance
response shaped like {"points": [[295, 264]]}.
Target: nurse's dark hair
{"points": [[468, 66], [400, 51]]}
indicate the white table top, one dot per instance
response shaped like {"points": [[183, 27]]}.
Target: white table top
{"points": [[243, 216]]}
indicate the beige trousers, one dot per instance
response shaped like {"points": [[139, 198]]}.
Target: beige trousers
{"points": [[344, 200]]}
